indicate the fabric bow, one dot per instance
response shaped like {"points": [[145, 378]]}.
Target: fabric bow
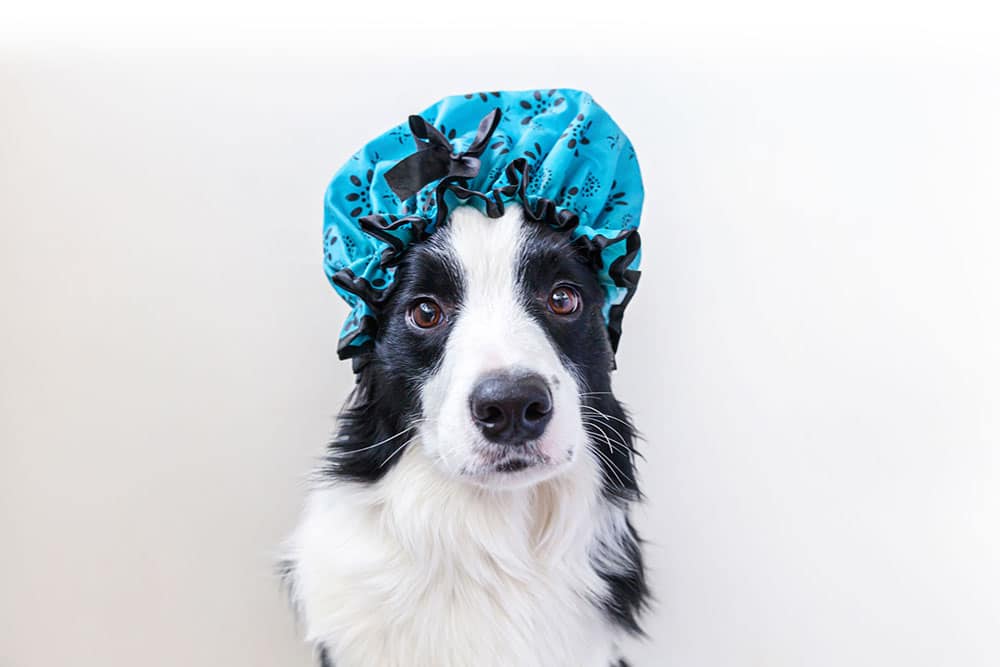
{"points": [[436, 159]]}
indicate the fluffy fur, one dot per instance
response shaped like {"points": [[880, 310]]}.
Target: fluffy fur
{"points": [[421, 545]]}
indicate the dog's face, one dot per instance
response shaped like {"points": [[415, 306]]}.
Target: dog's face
{"points": [[493, 351]]}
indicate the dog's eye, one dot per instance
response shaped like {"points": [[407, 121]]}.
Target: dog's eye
{"points": [[426, 314], [564, 300]]}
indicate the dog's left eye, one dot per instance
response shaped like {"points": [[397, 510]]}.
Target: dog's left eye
{"points": [[426, 314], [564, 300]]}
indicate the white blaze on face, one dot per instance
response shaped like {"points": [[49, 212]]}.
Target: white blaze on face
{"points": [[492, 332]]}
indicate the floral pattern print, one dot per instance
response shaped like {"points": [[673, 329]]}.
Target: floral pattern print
{"points": [[615, 198], [591, 185], [540, 179], [400, 134], [539, 103], [484, 97], [577, 134], [359, 198]]}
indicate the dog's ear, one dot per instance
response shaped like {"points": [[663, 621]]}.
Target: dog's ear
{"points": [[371, 428]]}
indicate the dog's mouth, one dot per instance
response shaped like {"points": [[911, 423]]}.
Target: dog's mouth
{"points": [[507, 462], [516, 464]]}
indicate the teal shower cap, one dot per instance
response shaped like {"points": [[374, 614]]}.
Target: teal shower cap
{"points": [[555, 152]]}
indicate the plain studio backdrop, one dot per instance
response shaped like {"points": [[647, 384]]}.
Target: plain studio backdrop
{"points": [[812, 355]]}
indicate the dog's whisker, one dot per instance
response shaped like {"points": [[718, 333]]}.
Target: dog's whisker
{"points": [[442, 456], [605, 435], [630, 454], [603, 425], [614, 468], [607, 424], [605, 415], [390, 438], [397, 451], [614, 447]]}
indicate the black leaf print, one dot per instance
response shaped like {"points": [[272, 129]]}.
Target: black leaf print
{"points": [[485, 97], [616, 199], [426, 200], [566, 196], [363, 194], [539, 103], [331, 240], [534, 154], [577, 133], [400, 135]]}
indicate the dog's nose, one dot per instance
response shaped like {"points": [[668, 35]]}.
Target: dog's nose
{"points": [[511, 409]]}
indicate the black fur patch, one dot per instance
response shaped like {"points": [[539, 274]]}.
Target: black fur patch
{"points": [[375, 425], [628, 594]]}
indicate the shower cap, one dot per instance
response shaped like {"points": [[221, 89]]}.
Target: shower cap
{"points": [[555, 152]]}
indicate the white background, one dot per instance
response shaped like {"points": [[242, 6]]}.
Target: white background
{"points": [[812, 355]]}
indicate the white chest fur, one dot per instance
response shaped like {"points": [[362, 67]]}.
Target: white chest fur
{"points": [[419, 570]]}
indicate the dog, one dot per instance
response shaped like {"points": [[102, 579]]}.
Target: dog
{"points": [[472, 508]]}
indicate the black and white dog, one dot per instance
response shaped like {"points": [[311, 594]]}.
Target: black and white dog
{"points": [[473, 508]]}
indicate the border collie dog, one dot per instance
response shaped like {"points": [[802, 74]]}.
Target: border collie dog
{"points": [[472, 509]]}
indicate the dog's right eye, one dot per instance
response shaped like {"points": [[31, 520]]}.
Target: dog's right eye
{"points": [[426, 314]]}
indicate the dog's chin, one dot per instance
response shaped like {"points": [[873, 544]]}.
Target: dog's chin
{"points": [[507, 467]]}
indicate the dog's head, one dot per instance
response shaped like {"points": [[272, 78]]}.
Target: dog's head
{"points": [[492, 359]]}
